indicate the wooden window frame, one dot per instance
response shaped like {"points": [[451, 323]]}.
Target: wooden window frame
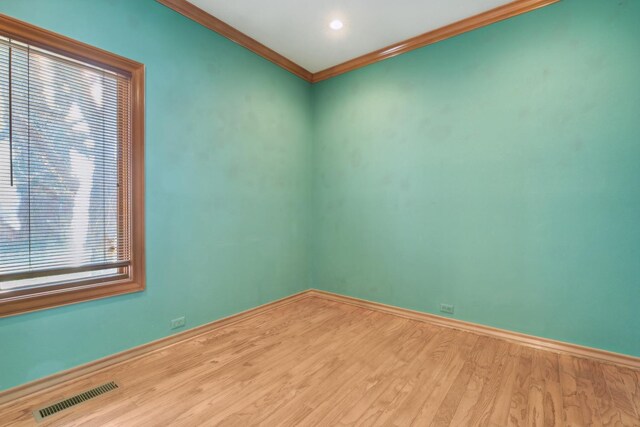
{"points": [[26, 300]]}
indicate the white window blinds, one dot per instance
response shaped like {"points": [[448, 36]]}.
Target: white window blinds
{"points": [[65, 154]]}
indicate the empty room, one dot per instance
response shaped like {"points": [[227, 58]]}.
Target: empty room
{"points": [[320, 213]]}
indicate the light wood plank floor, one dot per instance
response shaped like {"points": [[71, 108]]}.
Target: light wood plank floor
{"points": [[316, 362]]}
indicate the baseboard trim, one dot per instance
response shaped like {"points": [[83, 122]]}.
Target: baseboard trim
{"points": [[42, 384], [90, 368], [523, 339]]}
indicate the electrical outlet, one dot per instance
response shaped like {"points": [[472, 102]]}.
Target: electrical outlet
{"points": [[446, 308], [178, 323]]}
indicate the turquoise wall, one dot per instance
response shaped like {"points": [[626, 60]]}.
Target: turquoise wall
{"points": [[498, 171], [228, 179]]}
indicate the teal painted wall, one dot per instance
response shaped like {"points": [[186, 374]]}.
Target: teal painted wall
{"points": [[498, 171], [228, 179]]}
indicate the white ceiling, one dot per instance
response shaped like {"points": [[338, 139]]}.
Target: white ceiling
{"points": [[299, 29]]}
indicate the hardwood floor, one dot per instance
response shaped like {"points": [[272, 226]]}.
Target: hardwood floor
{"points": [[319, 362]]}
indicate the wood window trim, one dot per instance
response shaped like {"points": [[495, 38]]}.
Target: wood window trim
{"points": [[23, 300]]}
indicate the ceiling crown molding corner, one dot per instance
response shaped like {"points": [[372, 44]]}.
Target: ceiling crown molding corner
{"points": [[509, 10]]}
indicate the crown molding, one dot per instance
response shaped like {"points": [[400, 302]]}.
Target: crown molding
{"points": [[211, 22], [500, 13]]}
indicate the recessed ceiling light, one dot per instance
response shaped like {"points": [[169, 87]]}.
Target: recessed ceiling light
{"points": [[336, 24]]}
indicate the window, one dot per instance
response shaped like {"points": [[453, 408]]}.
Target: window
{"points": [[71, 171]]}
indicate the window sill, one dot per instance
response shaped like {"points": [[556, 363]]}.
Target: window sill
{"points": [[13, 303]]}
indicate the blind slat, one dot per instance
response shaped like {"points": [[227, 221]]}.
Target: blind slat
{"points": [[64, 165], [60, 271]]}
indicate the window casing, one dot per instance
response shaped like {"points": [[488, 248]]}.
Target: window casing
{"points": [[71, 171]]}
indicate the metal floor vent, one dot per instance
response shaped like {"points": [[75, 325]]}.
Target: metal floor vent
{"points": [[43, 413]]}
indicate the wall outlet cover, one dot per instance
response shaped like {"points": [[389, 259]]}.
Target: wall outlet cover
{"points": [[178, 323], [446, 308]]}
